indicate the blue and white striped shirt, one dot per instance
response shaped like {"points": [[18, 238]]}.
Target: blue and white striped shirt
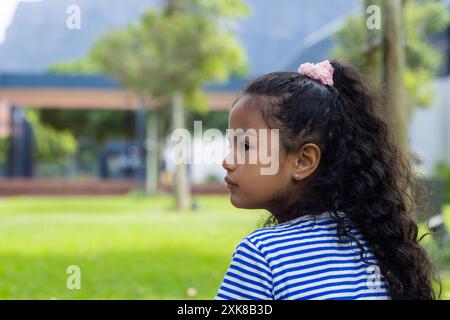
{"points": [[302, 259]]}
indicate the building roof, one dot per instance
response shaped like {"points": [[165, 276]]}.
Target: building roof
{"points": [[47, 90]]}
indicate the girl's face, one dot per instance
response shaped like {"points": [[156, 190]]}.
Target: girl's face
{"points": [[249, 188]]}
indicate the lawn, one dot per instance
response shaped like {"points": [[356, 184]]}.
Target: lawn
{"points": [[127, 247]]}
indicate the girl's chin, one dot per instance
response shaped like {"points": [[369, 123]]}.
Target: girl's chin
{"points": [[236, 201], [241, 202]]}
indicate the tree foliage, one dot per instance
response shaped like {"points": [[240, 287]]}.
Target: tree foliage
{"points": [[179, 47], [422, 20], [166, 52], [52, 145]]}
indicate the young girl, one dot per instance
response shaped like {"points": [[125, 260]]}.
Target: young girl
{"points": [[341, 225]]}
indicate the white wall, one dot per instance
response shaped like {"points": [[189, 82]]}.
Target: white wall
{"points": [[429, 131]]}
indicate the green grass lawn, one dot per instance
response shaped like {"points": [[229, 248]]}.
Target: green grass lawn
{"points": [[127, 247]]}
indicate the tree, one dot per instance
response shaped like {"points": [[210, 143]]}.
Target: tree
{"points": [[55, 146], [394, 69], [167, 57], [364, 48], [98, 125]]}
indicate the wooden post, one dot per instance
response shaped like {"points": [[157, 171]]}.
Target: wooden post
{"points": [[394, 70]]}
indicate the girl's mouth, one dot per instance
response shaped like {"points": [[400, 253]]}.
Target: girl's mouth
{"points": [[231, 184]]}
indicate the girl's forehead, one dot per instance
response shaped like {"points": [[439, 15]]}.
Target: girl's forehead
{"points": [[245, 115]]}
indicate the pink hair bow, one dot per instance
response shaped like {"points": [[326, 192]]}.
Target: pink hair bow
{"points": [[322, 72]]}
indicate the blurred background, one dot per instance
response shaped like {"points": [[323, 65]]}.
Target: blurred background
{"points": [[90, 92]]}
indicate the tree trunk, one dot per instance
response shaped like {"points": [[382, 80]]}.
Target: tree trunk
{"points": [[182, 185], [152, 154], [161, 141], [394, 70], [394, 64]]}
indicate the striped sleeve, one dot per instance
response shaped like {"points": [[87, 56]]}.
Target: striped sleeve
{"points": [[248, 277]]}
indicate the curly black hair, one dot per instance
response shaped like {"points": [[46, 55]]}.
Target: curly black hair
{"points": [[362, 171]]}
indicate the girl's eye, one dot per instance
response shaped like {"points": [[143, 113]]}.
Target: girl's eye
{"points": [[245, 146]]}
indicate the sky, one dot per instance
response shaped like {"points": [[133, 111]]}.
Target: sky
{"points": [[7, 10]]}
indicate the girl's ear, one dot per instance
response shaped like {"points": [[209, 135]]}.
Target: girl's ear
{"points": [[307, 160]]}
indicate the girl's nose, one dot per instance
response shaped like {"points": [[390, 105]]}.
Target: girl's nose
{"points": [[228, 163]]}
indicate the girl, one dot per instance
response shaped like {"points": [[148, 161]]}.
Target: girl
{"points": [[341, 225]]}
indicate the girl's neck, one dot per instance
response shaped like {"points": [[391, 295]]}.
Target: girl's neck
{"points": [[296, 210]]}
